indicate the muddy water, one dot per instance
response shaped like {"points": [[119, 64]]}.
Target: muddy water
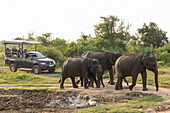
{"points": [[79, 101]]}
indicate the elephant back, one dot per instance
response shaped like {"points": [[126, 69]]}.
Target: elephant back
{"points": [[73, 65], [97, 54]]}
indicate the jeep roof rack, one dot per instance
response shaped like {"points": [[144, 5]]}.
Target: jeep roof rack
{"points": [[21, 42]]}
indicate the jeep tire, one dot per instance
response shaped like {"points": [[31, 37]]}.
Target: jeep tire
{"points": [[13, 67], [36, 69]]}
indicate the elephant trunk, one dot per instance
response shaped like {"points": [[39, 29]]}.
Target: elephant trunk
{"points": [[156, 79]]}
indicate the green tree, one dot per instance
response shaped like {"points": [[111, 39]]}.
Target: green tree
{"points": [[83, 37], [19, 38], [152, 34], [45, 39], [111, 32], [59, 44], [72, 50]]}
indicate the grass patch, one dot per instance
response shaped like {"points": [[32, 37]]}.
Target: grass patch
{"points": [[134, 93], [29, 88], [68, 86], [108, 91], [148, 101], [16, 77], [28, 85], [153, 98], [108, 109], [23, 77], [167, 103], [140, 104]]}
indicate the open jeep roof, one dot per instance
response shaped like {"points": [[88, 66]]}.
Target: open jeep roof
{"points": [[21, 42]]}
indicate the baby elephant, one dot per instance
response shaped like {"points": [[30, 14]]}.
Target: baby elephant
{"points": [[81, 67], [131, 65]]}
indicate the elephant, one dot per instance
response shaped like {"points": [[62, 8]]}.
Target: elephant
{"points": [[81, 67], [106, 59], [132, 65]]}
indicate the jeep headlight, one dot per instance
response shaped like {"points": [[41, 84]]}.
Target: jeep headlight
{"points": [[42, 63]]}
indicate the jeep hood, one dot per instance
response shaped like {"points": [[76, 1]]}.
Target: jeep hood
{"points": [[44, 59]]}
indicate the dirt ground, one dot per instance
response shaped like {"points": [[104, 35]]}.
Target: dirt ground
{"points": [[70, 99]]}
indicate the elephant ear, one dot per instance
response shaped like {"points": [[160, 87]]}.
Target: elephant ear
{"points": [[89, 62], [144, 60], [111, 58], [136, 62]]}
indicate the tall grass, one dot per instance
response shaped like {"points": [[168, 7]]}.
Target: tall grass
{"points": [[12, 76]]}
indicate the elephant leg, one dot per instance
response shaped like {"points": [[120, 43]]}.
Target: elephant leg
{"points": [[77, 82], [134, 78], [91, 83], [101, 78], [111, 76], [73, 82], [81, 79], [126, 81], [144, 79], [62, 82], [85, 83], [102, 81], [119, 82], [94, 78]]}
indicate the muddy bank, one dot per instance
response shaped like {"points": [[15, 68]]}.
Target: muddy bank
{"points": [[56, 101]]}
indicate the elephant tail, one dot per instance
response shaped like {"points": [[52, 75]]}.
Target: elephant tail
{"points": [[64, 70]]}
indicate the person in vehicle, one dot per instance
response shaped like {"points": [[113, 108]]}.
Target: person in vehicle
{"points": [[20, 53], [14, 51], [8, 53]]}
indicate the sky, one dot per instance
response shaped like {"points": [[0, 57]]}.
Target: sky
{"points": [[67, 19]]}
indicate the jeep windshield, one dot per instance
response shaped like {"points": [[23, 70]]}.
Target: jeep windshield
{"points": [[37, 55]]}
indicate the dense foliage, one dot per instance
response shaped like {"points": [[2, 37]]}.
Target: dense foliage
{"points": [[111, 34]]}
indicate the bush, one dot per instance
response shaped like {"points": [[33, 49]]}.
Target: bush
{"points": [[163, 54], [2, 57], [161, 63], [54, 54], [17, 76]]}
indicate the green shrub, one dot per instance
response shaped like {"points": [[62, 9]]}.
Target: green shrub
{"points": [[161, 63], [55, 54], [2, 57], [17, 76]]}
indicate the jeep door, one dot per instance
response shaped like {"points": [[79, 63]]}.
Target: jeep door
{"points": [[28, 61], [20, 62]]}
